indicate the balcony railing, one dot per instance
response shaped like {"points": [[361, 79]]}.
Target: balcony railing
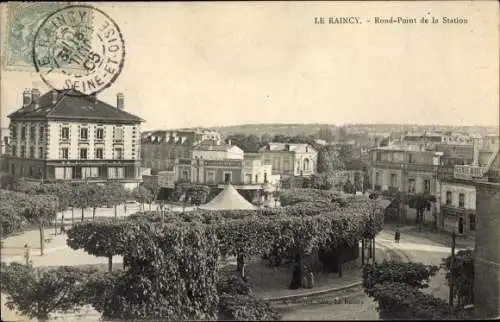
{"points": [[468, 172]]}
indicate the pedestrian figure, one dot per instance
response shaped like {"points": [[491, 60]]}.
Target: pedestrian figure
{"points": [[397, 236]]}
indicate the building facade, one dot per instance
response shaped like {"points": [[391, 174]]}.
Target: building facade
{"points": [[290, 159], [68, 136], [459, 191], [160, 149], [406, 169], [486, 254]]}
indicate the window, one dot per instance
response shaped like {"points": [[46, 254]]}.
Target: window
{"points": [[23, 133], [14, 151], [40, 153], [265, 177], [41, 133], [411, 185], [276, 163], [377, 178], [378, 156], [256, 178], [99, 134], [394, 180], [118, 153], [461, 200], [227, 177], [84, 133], [185, 175], [32, 133], [448, 197], [23, 152], [14, 132], [210, 176], [65, 153], [410, 158], [32, 152], [472, 222], [118, 136], [83, 153], [65, 133], [99, 153], [427, 185], [286, 165]]}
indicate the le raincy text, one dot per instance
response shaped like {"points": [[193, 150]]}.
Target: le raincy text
{"points": [[337, 20]]}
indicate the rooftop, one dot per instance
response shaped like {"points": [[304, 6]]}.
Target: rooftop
{"points": [[72, 105], [293, 147]]}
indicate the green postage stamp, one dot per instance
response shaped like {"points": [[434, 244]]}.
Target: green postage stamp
{"points": [[23, 21]]}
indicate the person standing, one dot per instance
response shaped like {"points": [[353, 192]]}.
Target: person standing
{"points": [[397, 236]]}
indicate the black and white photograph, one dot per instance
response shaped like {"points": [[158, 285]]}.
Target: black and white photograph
{"points": [[249, 160]]}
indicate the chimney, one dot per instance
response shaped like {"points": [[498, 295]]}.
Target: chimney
{"points": [[93, 98], [35, 97], [54, 96], [475, 144], [26, 97], [119, 101]]}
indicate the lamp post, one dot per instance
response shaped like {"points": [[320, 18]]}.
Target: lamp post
{"points": [[452, 267]]}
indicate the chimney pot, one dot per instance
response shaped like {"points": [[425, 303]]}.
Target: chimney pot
{"points": [[26, 97], [35, 97], [54, 96], [119, 101], [475, 160]]}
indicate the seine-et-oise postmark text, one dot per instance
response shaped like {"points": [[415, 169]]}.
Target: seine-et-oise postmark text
{"points": [[78, 47]]}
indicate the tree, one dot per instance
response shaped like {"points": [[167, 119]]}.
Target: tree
{"points": [[64, 194], [349, 187], [7, 181], [142, 196], [41, 210], [462, 275], [396, 287], [43, 292], [420, 202], [11, 212], [81, 197], [329, 160], [116, 194], [96, 197]]}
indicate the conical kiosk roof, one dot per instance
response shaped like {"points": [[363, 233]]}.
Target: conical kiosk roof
{"points": [[228, 199]]}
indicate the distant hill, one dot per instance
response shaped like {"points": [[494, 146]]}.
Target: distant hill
{"points": [[273, 129], [313, 128]]}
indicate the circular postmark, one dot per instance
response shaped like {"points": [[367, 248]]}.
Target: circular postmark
{"points": [[78, 48]]}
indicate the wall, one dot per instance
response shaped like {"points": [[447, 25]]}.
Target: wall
{"points": [[456, 189], [131, 146], [487, 255]]}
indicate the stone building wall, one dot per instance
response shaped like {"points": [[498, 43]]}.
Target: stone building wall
{"points": [[487, 251]]}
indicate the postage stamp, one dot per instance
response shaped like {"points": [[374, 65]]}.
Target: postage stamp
{"points": [[78, 47], [23, 20]]}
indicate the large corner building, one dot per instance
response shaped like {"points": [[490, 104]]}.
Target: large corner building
{"points": [[70, 136]]}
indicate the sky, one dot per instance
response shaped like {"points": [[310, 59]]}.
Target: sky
{"points": [[213, 64]]}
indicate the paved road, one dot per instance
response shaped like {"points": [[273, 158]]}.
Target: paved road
{"points": [[414, 248]]}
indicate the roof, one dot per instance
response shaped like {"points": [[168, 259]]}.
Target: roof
{"points": [[222, 147], [73, 105], [228, 199], [294, 147]]}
